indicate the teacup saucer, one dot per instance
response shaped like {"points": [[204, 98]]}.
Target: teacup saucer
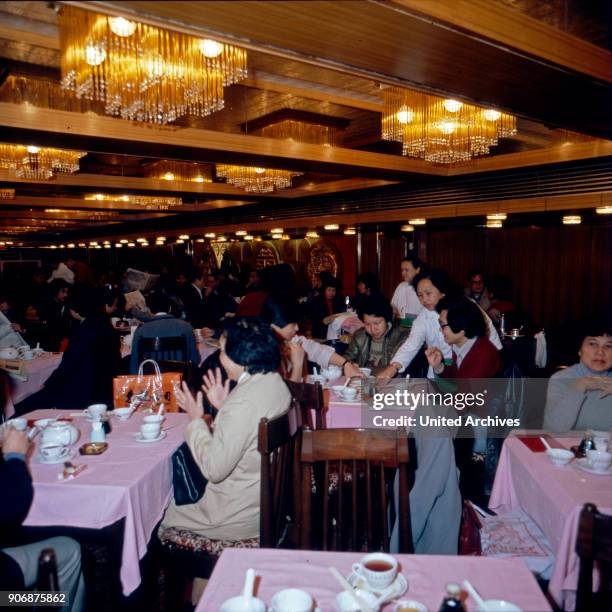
{"points": [[138, 437], [583, 464], [400, 586], [67, 454], [342, 400]]}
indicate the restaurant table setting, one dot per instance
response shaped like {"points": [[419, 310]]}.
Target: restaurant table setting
{"points": [[87, 480], [546, 477], [309, 581]]}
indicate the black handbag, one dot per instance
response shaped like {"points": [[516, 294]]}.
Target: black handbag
{"points": [[187, 478]]}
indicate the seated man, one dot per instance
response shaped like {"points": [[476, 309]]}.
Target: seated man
{"points": [[163, 325], [19, 564], [374, 345]]}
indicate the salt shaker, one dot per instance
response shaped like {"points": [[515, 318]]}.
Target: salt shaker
{"points": [[97, 432]]}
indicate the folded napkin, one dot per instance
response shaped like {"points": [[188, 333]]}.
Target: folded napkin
{"points": [[540, 352], [534, 444]]}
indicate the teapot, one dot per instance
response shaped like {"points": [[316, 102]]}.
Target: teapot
{"points": [[60, 432]]}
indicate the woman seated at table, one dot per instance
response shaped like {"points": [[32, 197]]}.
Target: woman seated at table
{"points": [[580, 397], [375, 344], [227, 453], [464, 328], [283, 314]]}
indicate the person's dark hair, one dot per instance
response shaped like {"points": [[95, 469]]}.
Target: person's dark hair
{"points": [[439, 279], [56, 285], [280, 310], [99, 298], [250, 342], [158, 301], [464, 314], [476, 272], [416, 262], [195, 274], [278, 279], [370, 280], [376, 305], [597, 326]]}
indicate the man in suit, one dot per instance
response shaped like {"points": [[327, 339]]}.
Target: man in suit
{"points": [[194, 299]]}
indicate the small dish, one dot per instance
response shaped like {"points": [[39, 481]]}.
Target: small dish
{"points": [[123, 414], [345, 603], [400, 586], [559, 456], [409, 605], [138, 438], [93, 448], [583, 464], [499, 605]]}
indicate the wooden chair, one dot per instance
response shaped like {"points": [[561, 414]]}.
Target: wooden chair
{"points": [[161, 348], [350, 511], [309, 396], [279, 445], [594, 547], [185, 368]]}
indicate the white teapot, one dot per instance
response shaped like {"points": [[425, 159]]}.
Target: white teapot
{"points": [[60, 432]]}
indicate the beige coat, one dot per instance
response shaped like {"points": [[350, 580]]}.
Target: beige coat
{"points": [[228, 458]]}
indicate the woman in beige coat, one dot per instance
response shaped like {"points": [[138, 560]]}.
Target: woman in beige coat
{"points": [[226, 451]]}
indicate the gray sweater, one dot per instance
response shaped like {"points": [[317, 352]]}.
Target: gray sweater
{"points": [[567, 407]]}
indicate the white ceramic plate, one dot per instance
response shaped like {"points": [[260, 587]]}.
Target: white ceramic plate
{"points": [[585, 467], [63, 457], [400, 585], [138, 438]]}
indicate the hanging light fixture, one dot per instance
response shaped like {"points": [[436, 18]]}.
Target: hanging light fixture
{"points": [[439, 130], [168, 170], [147, 202], [256, 180], [141, 72], [38, 162]]}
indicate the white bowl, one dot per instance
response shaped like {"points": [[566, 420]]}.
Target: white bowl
{"points": [[96, 410], [123, 413], [409, 604], [560, 456], [499, 605], [238, 604], [153, 418], [345, 603], [348, 393]]}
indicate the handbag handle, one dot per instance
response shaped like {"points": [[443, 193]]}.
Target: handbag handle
{"points": [[155, 367]]}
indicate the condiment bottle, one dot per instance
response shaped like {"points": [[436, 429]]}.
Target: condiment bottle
{"points": [[452, 602], [97, 432]]}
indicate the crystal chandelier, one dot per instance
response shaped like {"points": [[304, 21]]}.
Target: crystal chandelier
{"points": [[256, 180], [440, 130], [147, 202], [178, 171], [142, 72], [38, 162]]}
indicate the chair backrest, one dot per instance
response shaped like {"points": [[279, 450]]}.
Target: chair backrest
{"points": [[159, 348], [279, 445], [309, 396], [594, 547], [185, 368], [347, 475]]}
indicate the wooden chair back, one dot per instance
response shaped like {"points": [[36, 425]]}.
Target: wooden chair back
{"points": [[185, 368], [352, 472], [594, 549], [309, 396], [279, 445], [159, 348]]}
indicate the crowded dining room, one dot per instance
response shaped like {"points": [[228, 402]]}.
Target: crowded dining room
{"points": [[306, 306]]}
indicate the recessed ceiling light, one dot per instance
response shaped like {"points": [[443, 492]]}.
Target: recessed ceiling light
{"points": [[241, 233], [417, 221], [604, 210], [407, 228], [209, 235], [331, 227], [495, 224], [312, 235], [497, 217], [276, 230], [248, 237], [572, 220], [350, 231], [184, 236]]}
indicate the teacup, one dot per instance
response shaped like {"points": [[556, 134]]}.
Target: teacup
{"points": [[150, 431], [498, 605], [154, 418], [348, 393], [18, 424], [291, 600], [95, 411], [377, 569], [238, 604], [601, 439], [123, 413], [52, 451], [345, 603], [560, 456], [409, 605], [599, 460], [332, 372]]}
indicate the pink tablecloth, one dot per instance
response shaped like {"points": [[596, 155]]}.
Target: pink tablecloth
{"points": [[427, 575], [37, 372], [552, 497], [130, 480]]}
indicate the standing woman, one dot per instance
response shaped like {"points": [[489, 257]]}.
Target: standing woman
{"points": [[406, 304]]}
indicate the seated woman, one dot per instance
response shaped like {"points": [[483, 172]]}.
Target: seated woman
{"points": [[580, 397], [367, 285], [283, 314], [227, 452], [464, 328], [374, 345]]}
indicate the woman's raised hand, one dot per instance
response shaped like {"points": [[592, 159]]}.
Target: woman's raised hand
{"points": [[191, 405], [216, 391], [435, 358]]}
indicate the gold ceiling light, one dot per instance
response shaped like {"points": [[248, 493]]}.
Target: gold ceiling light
{"points": [[7, 194], [38, 162], [210, 235], [572, 220], [141, 72], [350, 231], [147, 202], [256, 180], [330, 227], [495, 223], [312, 234], [439, 130], [248, 237], [497, 217], [407, 228], [604, 210], [168, 170], [241, 233], [417, 221]]}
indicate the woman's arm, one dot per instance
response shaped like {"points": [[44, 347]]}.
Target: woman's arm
{"points": [[564, 400]]}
